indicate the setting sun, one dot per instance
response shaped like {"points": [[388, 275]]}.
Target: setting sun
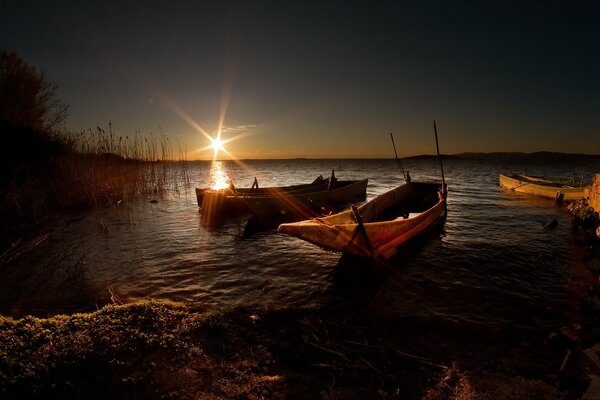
{"points": [[217, 145]]}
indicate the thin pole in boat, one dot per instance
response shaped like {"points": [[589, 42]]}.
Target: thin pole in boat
{"points": [[397, 159], [437, 147]]}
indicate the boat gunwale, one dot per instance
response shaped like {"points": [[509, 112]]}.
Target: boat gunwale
{"points": [[267, 189], [347, 184]]}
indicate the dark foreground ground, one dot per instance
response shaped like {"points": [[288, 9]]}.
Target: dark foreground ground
{"points": [[168, 350]]}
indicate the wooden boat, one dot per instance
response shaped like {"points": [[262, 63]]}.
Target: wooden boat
{"points": [[375, 229], [533, 185], [318, 184], [306, 203], [290, 202]]}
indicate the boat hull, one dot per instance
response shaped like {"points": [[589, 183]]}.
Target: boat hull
{"points": [[317, 185]]}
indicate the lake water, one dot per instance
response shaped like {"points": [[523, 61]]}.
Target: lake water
{"points": [[491, 262]]}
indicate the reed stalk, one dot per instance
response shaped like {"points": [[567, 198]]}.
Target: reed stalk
{"points": [[100, 168]]}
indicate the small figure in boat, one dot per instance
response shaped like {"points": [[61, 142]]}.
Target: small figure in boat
{"points": [[332, 181], [231, 187]]}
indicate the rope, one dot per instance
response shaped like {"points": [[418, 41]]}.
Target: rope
{"points": [[515, 187], [518, 186], [319, 220]]}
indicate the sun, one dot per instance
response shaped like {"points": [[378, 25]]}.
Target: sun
{"points": [[217, 145]]}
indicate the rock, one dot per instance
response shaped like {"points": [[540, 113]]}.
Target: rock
{"points": [[583, 215], [594, 265], [577, 207], [574, 206], [593, 390], [585, 237], [593, 303], [590, 359], [571, 333]]}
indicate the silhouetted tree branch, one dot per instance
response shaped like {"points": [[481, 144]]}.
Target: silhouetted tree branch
{"points": [[27, 99]]}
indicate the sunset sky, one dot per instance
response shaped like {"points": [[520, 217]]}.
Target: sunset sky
{"points": [[323, 79]]}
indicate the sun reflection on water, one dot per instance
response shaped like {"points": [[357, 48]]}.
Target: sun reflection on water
{"points": [[218, 176]]}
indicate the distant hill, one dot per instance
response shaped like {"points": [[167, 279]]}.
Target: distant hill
{"points": [[428, 156], [540, 156]]}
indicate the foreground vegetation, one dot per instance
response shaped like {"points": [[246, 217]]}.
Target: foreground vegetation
{"points": [[169, 350]]}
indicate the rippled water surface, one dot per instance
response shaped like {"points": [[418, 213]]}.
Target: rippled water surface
{"points": [[491, 262]]}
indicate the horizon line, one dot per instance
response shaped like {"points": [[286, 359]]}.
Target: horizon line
{"points": [[404, 157]]}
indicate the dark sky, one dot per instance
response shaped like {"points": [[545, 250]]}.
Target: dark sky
{"points": [[323, 79]]}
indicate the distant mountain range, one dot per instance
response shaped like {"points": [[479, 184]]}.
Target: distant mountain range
{"points": [[540, 156]]}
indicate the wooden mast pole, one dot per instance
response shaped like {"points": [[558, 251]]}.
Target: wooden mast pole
{"points": [[398, 160], [437, 147]]}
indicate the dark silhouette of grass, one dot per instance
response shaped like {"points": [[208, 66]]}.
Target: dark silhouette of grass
{"points": [[44, 174], [27, 168]]}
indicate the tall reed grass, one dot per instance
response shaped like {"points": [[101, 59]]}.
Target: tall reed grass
{"points": [[111, 168], [95, 168]]}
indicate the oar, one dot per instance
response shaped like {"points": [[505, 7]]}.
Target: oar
{"points": [[362, 230], [396, 154]]}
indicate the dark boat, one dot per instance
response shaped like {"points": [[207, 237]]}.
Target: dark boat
{"points": [[291, 202], [306, 204], [318, 184]]}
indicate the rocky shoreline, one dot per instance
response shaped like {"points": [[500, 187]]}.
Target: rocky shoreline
{"points": [[586, 225]]}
